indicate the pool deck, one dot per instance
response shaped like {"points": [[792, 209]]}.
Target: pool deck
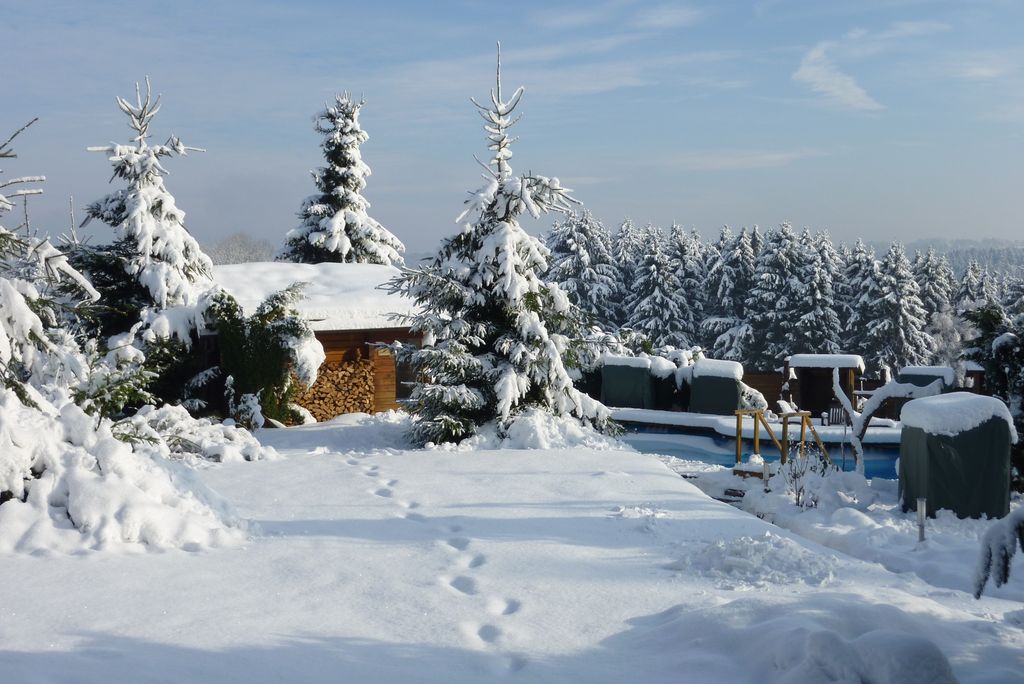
{"points": [[726, 426]]}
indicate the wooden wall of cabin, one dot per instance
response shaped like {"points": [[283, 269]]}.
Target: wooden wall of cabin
{"points": [[768, 384]]}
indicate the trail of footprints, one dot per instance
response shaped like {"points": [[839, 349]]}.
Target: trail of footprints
{"points": [[463, 562]]}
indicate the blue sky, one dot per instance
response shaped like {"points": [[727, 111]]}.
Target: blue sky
{"points": [[877, 118]]}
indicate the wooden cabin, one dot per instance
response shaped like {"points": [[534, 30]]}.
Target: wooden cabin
{"points": [[810, 379], [351, 316]]}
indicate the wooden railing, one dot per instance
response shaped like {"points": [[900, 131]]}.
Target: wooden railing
{"points": [[783, 445]]}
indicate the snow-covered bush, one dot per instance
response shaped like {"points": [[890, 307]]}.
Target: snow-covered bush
{"points": [[176, 435], [335, 225], [261, 354], [997, 550], [495, 332]]}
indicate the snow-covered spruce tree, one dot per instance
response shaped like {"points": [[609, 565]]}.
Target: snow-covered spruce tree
{"points": [[167, 268], [628, 247], [582, 264], [975, 290], [1013, 295], [335, 226], [653, 301], [771, 299], [67, 483], [897, 334], [936, 282], [686, 255], [863, 278], [731, 276], [494, 330], [815, 328]]}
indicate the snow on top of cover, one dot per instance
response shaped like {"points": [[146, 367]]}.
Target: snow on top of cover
{"points": [[337, 296], [826, 361], [951, 414], [662, 367], [713, 368], [631, 361], [945, 372]]}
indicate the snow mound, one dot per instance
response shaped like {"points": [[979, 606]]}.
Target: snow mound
{"points": [[947, 374], [630, 361], [536, 429], [951, 414], [380, 432], [767, 560], [187, 439], [662, 368], [70, 486], [713, 368]]}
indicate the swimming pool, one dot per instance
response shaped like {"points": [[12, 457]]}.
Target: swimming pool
{"points": [[879, 461]]}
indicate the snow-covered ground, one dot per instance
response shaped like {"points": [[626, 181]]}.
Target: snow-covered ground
{"points": [[369, 562]]}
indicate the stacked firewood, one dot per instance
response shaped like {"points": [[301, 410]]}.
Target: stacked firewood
{"points": [[345, 387]]}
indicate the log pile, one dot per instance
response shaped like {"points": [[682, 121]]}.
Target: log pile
{"points": [[345, 387]]}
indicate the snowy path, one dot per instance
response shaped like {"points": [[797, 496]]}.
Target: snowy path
{"points": [[375, 564]]}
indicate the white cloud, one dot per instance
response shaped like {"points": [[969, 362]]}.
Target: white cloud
{"points": [[820, 74], [733, 160]]}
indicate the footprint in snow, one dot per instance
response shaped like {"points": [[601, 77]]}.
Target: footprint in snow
{"points": [[383, 492], [463, 584], [488, 633], [458, 543], [500, 606], [415, 517]]}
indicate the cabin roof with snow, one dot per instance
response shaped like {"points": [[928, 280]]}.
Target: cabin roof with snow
{"points": [[827, 361], [337, 296]]}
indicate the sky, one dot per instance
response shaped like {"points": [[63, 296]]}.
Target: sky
{"points": [[881, 119]]}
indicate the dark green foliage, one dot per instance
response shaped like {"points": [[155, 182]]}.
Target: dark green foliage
{"points": [[258, 351]]}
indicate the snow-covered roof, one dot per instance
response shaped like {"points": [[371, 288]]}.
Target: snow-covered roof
{"points": [[338, 296], [945, 372], [951, 414], [973, 367], [826, 361], [714, 368]]}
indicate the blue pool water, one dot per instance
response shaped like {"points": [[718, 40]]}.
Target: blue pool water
{"points": [[713, 448]]}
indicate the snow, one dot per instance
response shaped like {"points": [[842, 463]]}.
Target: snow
{"points": [[951, 414], [947, 374], [713, 368], [628, 361], [337, 296], [370, 562], [662, 367], [826, 361]]}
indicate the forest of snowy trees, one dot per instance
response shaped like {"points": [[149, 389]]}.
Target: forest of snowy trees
{"points": [[758, 296]]}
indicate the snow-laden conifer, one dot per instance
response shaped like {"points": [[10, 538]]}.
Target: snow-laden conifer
{"points": [[935, 281], [335, 224], [653, 300], [772, 298], [863, 278], [495, 331], [730, 278], [896, 334], [687, 254], [815, 328], [152, 245], [583, 265]]}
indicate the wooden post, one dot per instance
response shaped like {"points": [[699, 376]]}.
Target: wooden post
{"points": [[804, 420], [739, 437], [784, 451], [757, 434]]}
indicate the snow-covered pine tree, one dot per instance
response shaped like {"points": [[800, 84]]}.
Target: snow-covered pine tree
{"points": [[686, 256], [842, 287], [897, 333], [935, 281], [166, 267], [815, 328], [756, 241], [582, 264], [730, 277], [653, 300], [971, 292], [335, 226], [771, 299], [628, 247], [1013, 295], [494, 329], [863, 278]]}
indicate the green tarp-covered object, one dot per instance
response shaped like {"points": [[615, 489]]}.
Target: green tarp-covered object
{"points": [[955, 452], [625, 386], [716, 395]]}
